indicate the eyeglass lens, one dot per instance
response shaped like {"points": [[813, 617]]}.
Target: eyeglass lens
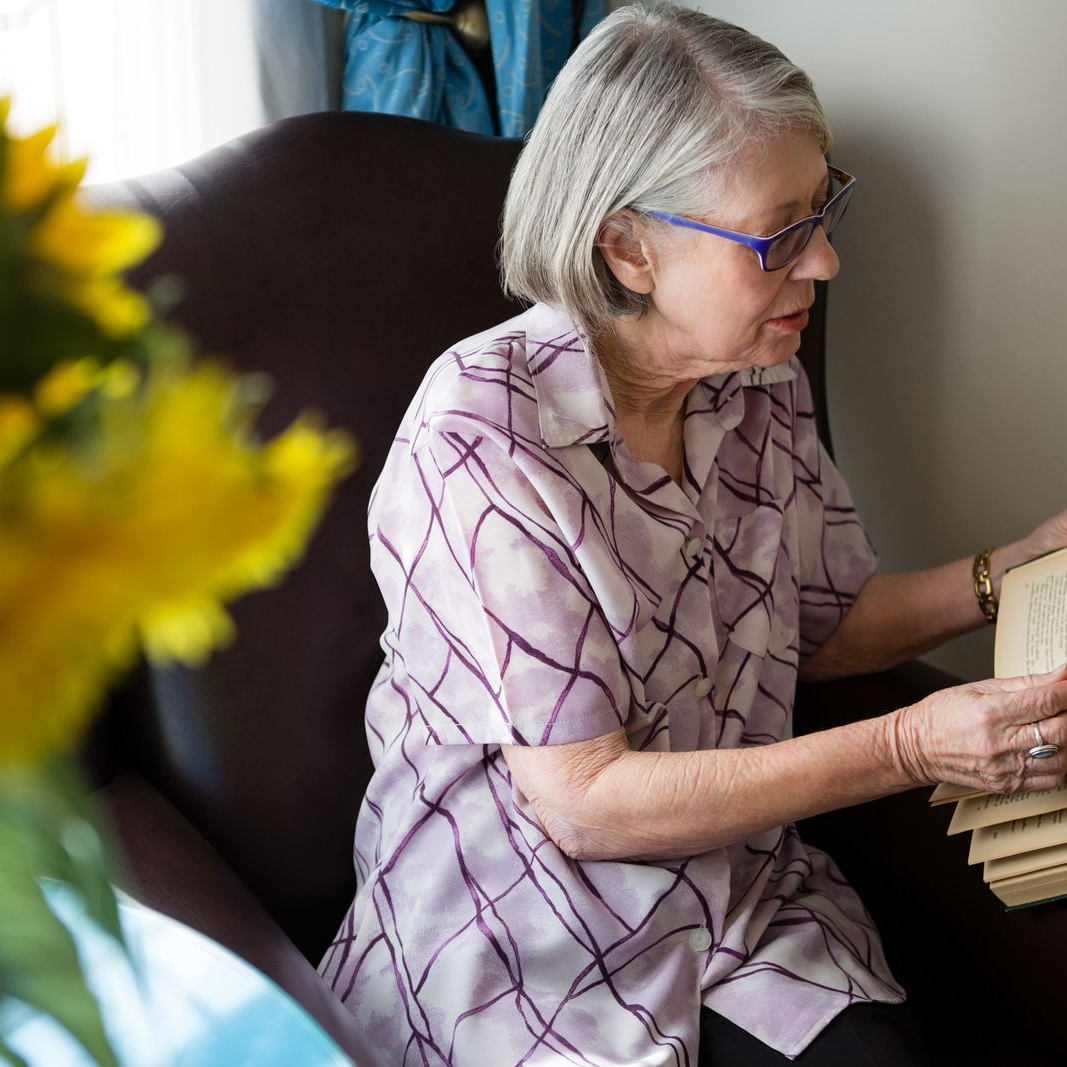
{"points": [[791, 244]]}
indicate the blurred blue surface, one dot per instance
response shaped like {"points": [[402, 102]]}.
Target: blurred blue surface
{"points": [[181, 1000]]}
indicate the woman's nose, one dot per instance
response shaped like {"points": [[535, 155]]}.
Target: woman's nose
{"points": [[818, 260]]}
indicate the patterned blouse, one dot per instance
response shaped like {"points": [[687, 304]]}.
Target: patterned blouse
{"points": [[543, 587]]}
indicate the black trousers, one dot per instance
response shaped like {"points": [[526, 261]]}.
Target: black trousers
{"points": [[863, 1035]]}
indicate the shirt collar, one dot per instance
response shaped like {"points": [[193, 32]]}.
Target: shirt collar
{"points": [[573, 399], [723, 393]]}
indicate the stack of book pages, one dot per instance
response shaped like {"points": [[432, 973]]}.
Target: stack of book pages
{"points": [[1021, 839]]}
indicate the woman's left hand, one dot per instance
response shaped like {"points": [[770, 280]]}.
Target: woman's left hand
{"points": [[1049, 536]]}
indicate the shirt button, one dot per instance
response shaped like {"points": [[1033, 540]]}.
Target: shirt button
{"points": [[703, 687], [694, 548], [700, 939]]}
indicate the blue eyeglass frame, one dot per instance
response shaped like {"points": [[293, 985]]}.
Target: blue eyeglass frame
{"points": [[837, 204]]}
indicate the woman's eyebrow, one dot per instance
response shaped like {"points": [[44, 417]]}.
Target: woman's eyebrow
{"points": [[791, 205], [770, 220]]}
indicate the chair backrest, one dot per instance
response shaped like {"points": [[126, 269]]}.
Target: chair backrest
{"points": [[340, 253]]}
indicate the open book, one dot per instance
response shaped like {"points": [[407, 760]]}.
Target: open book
{"points": [[1021, 840]]}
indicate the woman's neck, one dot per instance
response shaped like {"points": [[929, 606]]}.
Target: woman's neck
{"points": [[649, 409], [636, 392]]}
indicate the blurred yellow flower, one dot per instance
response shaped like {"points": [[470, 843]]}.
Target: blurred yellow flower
{"points": [[19, 421], [135, 498], [68, 253], [140, 539], [91, 244], [118, 311], [81, 253], [29, 176], [65, 384]]}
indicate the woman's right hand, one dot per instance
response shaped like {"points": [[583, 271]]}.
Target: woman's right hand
{"points": [[979, 734]]}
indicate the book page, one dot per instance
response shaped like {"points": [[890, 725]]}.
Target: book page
{"points": [[946, 793], [990, 808], [1019, 835], [1032, 620], [1024, 863], [1034, 879]]}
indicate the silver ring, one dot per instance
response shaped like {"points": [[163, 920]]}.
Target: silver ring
{"points": [[1042, 750]]}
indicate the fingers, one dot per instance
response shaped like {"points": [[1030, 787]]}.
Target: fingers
{"points": [[1015, 771], [1040, 705], [1045, 744], [1041, 783], [1022, 682], [1035, 774], [1035, 700]]}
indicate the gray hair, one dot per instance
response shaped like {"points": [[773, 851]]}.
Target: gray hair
{"points": [[649, 114]]}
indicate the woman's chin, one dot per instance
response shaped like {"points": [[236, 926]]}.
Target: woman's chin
{"points": [[781, 351]]}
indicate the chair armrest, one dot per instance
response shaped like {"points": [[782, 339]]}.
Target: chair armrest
{"points": [[166, 864]]}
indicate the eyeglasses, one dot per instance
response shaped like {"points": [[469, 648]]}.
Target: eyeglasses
{"points": [[781, 248]]}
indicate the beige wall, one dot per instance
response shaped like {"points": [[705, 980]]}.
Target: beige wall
{"points": [[946, 362]]}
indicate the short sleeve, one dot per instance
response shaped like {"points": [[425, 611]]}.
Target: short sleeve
{"points": [[495, 634], [836, 557]]}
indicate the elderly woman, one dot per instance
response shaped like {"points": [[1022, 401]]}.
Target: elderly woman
{"points": [[609, 538]]}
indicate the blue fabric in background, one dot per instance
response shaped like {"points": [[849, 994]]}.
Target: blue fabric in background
{"points": [[400, 67], [531, 41], [410, 68]]}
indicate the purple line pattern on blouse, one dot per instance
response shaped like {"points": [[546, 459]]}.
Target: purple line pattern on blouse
{"points": [[544, 587]]}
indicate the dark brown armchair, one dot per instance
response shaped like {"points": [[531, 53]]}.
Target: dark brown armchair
{"points": [[342, 252]]}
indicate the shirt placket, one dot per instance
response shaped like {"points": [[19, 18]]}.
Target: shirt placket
{"points": [[680, 681]]}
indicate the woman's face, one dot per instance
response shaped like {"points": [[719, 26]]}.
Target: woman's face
{"points": [[712, 309]]}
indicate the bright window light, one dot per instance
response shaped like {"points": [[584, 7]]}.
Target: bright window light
{"points": [[137, 85]]}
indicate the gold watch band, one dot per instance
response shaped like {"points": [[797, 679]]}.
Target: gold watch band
{"points": [[983, 585]]}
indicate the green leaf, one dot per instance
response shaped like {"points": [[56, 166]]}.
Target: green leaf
{"points": [[48, 829], [39, 962], [88, 858], [53, 815]]}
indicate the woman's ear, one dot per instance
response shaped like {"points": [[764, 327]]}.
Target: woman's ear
{"points": [[626, 252]]}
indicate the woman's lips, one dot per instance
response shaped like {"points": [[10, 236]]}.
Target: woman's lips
{"points": [[790, 323]]}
